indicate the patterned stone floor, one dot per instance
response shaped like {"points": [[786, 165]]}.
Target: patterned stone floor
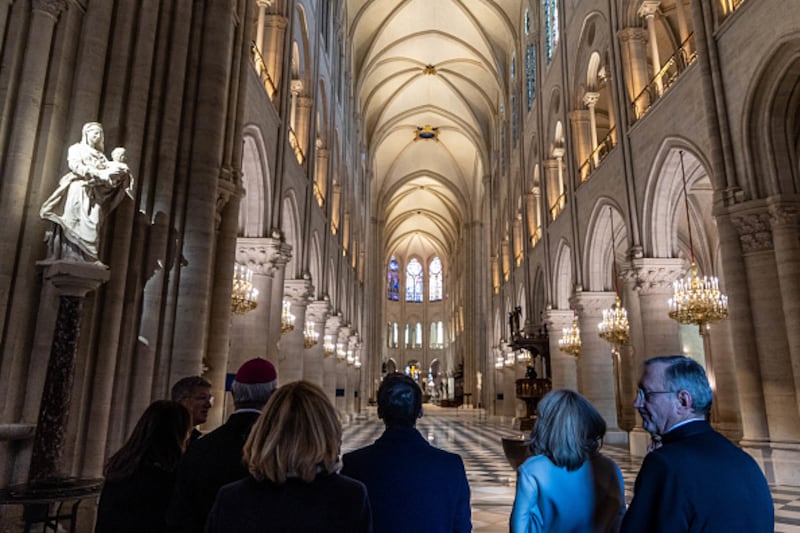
{"points": [[476, 437]]}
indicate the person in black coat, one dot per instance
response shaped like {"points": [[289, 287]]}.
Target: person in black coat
{"points": [[292, 455], [141, 475], [695, 479], [402, 469], [216, 458]]}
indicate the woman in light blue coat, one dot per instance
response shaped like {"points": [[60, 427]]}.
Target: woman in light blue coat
{"points": [[568, 486]]}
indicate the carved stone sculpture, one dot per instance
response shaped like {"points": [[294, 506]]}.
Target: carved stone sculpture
{"points": [[85, 196]]}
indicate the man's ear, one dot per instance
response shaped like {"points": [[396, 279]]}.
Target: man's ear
{"points": [[685, 399]]}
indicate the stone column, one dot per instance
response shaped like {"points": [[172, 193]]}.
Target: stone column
{"points": [[683, 27], [552, 185], [772, 345], [303, 123], [69, 282], [321, 174], [329, 364], [596, 365], [279, 262], [313, 356], [648, 11], [273, 53], [564, 370], [19, 157], [634, 56], [290, 358], [590, 100], [581, 124], [341, 371], [251, 333], [785, 223], [648, 287], [262, 12], [353, 345]]}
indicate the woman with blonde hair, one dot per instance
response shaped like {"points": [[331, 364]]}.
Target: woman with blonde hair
{"points": [[558, 489], [292, 455]]}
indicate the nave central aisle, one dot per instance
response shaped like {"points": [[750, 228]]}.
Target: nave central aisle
{"points": [[476, 437]]}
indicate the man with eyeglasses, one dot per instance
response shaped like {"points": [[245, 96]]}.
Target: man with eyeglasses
{"points": [[194, 393], [696, 480], [216, 459]]}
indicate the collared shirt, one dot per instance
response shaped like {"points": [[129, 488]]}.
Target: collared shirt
{"points": [[679, 424]]}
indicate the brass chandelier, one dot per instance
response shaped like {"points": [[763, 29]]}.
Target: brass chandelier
{"points": [[243, 295], [615, 327], [310, 335], [570, 341], [696, 299], [287, 318]]}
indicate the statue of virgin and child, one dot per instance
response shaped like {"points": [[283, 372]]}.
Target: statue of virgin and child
{"points": [[85, 197]]}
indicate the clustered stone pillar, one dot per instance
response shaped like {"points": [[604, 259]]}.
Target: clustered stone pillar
{"points": [[590, 100], [332, 326]]}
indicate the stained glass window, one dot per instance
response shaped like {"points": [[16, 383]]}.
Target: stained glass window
{"points": [[417, 335], [435, 272], [394, 280], [527, 22], [414, 281], [550, 26], [530, 73]]}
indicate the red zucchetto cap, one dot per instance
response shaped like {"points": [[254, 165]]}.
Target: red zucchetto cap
{"points": [[256, 371]]}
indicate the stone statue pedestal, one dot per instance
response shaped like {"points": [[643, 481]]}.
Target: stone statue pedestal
{"points": [[66, 284]]}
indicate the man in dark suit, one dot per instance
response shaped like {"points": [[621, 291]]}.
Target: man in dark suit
{"points": [[216, 459], [695, 479], [412, 485]]}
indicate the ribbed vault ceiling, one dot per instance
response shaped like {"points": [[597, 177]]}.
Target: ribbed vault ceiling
{"points": [[434, 63]]}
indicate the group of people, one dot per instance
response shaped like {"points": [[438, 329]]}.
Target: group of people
{"points": [[692, 479], [275, 465]]}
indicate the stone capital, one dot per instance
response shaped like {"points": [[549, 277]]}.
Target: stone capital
{"points": [[649, 8], [653, 274], [52, 8], [263, 255], [558, 319], [299, 291], [632, 34], [784, 214], [276, 21], [590, 98], [264, 3], [755, 231], [317, 312], [592, 303], [296, 87], [332, 325]]}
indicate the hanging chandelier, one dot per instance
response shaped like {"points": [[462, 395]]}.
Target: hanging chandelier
{"points": [[243, 295], [287, 318], [614, 328], [696, 299], [328, 347], [340, 353], [310, 335], [570, 341]]}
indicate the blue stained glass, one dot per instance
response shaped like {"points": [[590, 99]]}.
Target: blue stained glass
{"points": [[394, 280]]}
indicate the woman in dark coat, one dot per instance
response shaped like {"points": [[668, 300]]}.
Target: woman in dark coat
{"points": [[141, 475], [292, 454]]}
